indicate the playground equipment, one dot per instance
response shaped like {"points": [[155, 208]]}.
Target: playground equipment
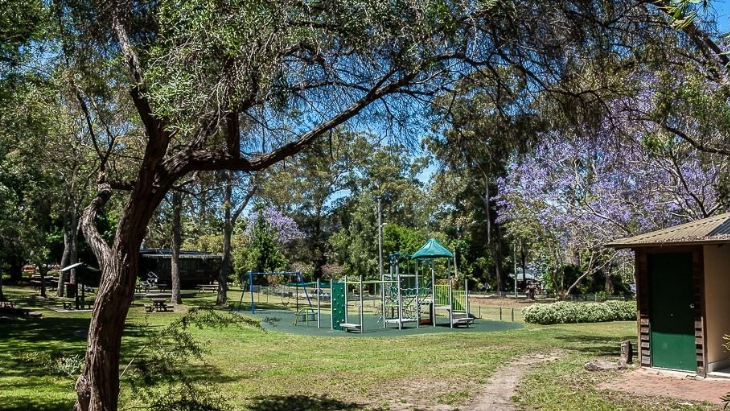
{"points": [[297, 284], [405, 294], [308, 314], [444, 297], [341, 320], [303, 313]]}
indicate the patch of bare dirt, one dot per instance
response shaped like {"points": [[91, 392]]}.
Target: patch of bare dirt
{"points": [[649, 382], [508, 302], [495, 395]]}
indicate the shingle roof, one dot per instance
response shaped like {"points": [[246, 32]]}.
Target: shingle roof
{"points": [[711, 230]]}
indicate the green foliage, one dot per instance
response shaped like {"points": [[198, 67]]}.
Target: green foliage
{"points": [[54, 363], [569, 312], [202, 396], [261, 253], [401, 239], [356, 245], [20, 22], [159, 373]]}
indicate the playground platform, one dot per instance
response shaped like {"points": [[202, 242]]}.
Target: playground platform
{"points": [[283, 321]]}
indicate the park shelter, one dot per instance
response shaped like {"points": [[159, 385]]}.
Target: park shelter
{"points": [[683, 295], [195, 267]]}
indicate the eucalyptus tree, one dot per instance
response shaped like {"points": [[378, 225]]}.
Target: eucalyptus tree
{"points": [[235, 201], [33, 190], [485, 122], [355, 245], [22, 23], [309, 186], [388, 174]]}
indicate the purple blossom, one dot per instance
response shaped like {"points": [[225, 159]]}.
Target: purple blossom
{"points": [[284, 228], [585, 190]]}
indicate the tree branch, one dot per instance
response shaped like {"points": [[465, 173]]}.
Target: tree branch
{"points": [[88, 225]]}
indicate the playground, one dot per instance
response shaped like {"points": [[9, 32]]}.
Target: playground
{"points": [[281, 321], [410, 298]]}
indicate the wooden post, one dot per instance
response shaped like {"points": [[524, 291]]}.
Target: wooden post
{"points": [[627, 353]]}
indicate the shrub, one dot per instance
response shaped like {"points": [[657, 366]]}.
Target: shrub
{"points": [[569, 312]]}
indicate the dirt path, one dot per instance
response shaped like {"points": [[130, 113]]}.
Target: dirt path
{"points": [[497, 393]]}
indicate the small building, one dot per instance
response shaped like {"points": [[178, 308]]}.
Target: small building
{"points": [[527, 278], [683, 295], [195, 267]]}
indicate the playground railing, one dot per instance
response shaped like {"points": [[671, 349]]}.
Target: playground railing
{"points": [[509, 314], [441, 295]]}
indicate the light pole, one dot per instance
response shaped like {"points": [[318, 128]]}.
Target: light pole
{"points": [[380, 240]]}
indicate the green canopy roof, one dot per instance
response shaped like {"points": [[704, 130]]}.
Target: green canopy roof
{"points": [[432, 249]]}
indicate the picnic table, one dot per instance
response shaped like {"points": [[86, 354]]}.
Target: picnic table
{"points": [[158, 304], [207, 287]]}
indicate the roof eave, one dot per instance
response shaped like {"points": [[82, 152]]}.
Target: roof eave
{"points": [[621, 245]]}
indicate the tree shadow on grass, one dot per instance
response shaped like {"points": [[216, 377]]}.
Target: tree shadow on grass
{"points": [[597, 345], [22, 330], [22, 403], [300, 402]]}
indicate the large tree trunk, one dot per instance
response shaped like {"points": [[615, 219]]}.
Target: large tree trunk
{"points": [[43, 269], [74, 251], [225, 270], [176, 243], [98, 386], [65, 257], [16, 269], [229, 221], [491, 244], [2, 296], [70, 250], [498, 255]]}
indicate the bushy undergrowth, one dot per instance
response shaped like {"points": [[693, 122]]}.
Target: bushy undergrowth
{"points": [[569, 312]]}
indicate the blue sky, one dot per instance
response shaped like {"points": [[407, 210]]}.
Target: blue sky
{"points": [[722, 9]]}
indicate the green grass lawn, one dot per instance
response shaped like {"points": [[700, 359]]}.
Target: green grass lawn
{"points": [[267, 370]]}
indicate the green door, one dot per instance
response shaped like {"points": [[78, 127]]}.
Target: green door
{"points": [[672, 311]]}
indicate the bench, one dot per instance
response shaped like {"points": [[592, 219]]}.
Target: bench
{"points": [[7, 304], [207, 287]]}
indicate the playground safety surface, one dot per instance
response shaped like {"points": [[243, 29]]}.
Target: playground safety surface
{"points": [[284, 321]]}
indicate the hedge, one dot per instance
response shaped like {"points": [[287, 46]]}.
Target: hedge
{"points": [[569, 312]]}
